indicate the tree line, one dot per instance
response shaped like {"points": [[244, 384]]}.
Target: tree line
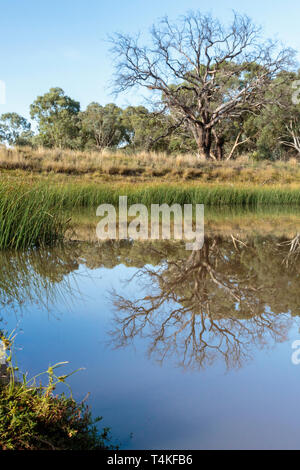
{"points": [[215, 90], [61, 124]]}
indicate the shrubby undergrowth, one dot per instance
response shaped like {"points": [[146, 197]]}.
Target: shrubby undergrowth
{"points": [[32, 417]]}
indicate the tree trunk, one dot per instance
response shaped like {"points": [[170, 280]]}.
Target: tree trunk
{"points": [[220, 148], [219, 140], [203, 139]]}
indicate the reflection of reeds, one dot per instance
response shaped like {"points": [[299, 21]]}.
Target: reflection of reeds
{"points": [[36, 276]]}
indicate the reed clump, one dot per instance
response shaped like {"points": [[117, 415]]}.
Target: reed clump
{"points": [[71, 196], [28, 217]]}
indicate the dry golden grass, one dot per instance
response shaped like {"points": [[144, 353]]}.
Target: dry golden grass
{"points": [[145, 166], [71, 161]]}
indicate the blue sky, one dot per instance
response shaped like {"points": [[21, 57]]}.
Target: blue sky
{"points": [[63, 42]]}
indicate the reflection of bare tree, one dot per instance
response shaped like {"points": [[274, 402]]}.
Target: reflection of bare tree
{"points": [[218, 302], [294, 249], [201, 308]]}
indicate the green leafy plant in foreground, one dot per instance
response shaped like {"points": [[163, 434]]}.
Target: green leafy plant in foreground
{"points": [[33, 418]]}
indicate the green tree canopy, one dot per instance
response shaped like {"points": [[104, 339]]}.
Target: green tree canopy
{"points": [[15, 129], [102, 126], [57, 118]]}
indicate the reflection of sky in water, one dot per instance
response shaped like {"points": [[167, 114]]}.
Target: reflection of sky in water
{"points": [[163, 406]]}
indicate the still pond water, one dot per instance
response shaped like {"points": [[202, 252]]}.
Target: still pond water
{"points": [[181, 350]]}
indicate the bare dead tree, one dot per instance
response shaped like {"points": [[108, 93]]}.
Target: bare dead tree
{"points": [[204, 71]]}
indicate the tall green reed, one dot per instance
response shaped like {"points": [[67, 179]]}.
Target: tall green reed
{"points": [[28, 216], [34, 214]]}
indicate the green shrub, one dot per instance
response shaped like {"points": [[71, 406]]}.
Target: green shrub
{"points": [[33, 418]]}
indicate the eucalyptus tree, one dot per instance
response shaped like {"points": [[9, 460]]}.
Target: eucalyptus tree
{"points": [[102, 126], [147, 130], [274, 132], [57, 118], [15, 129]]}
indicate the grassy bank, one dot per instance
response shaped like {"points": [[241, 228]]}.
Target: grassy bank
{"points": [[146, 166]]}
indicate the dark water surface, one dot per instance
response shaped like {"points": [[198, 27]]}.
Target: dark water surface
{"points": [[184, 350]]}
